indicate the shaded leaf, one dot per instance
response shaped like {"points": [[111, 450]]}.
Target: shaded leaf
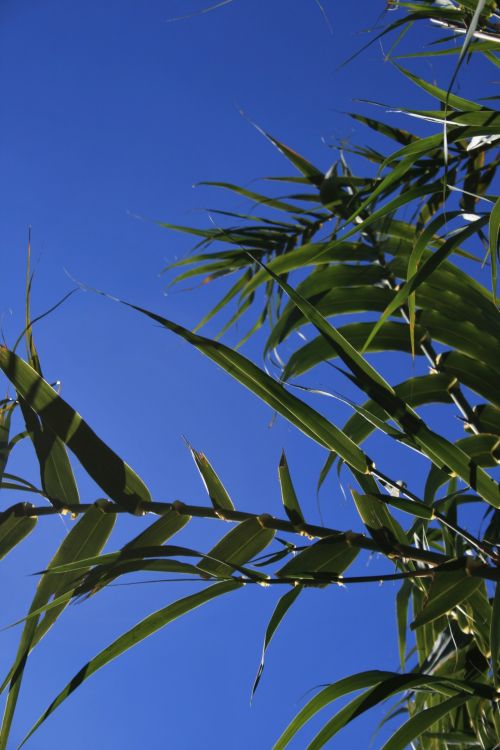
{"points": [[107, 469], [450, 587], [288, 494]]}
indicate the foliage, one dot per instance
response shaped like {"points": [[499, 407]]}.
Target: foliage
{"points": [[339, 243]]}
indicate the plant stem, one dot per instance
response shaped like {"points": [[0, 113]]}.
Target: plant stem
{"points": [[472, 540], [356, 540]]}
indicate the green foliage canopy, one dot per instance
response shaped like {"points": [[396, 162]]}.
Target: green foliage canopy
{"points": [[339, 243]]}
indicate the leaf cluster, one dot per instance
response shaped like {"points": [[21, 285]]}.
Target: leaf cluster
{"points": [[397, 240]]}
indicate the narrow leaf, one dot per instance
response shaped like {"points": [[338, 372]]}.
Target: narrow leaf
{"points": [[214, 487], [288, 494], [138, 633], [449, 588], [422, 721], [280, 611], [107, 469], [237, 547]]}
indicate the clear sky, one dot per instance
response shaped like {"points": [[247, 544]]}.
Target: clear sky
{"points": [[109, 112]]}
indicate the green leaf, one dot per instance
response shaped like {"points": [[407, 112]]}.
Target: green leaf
{"points": [[6, 410], [424, 389], [314, 175], [494, 240], [392, 337], [138, 633], [280, 611], [13, 529], [288, 494], [320, 561], [439, 450], [402, 600], [377, 519], [495, 636], [422, 721], [107, 469], [450, 586], [159, 531], [441, 95], [56, 474], [296, 411], [423, 273], [472, 373], [214, 487], [237, 547], [414, 261], [87, 537], [382, 685]]}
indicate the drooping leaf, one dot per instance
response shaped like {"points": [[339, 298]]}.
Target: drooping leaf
{"points": [[139, 632], [296, 411], [87, 537], [107, 469], [439, 450], [381, 686], [280, 611], [422, 721]]}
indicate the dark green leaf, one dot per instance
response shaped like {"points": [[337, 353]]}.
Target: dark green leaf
{"points": [[280, 611], [214, 487], [107, 469], [422, 721], [288, 494], [450, 587], [13, 529], [237, 547]]}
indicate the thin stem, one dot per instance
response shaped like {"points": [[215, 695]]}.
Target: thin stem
{"points": [[358, 541], [472, 540]]}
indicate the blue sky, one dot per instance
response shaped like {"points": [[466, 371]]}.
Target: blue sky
{"points": [[109, 114]]}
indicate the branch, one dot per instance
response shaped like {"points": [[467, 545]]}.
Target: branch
{"points": [[357, 540]]}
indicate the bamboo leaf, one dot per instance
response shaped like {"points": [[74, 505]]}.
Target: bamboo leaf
{"points": [[402, 600], [138, 633], [450, 587], [56, 474], [495, 636], [296, 411], [280, 611], [329, 557], [214, 487], [237, 547], [439, 450], [88, 536], [422, 721], [494, 246], [107, 469], [13, 529], [288, 494], [381, 686], [423, 273], [314, 175]]}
